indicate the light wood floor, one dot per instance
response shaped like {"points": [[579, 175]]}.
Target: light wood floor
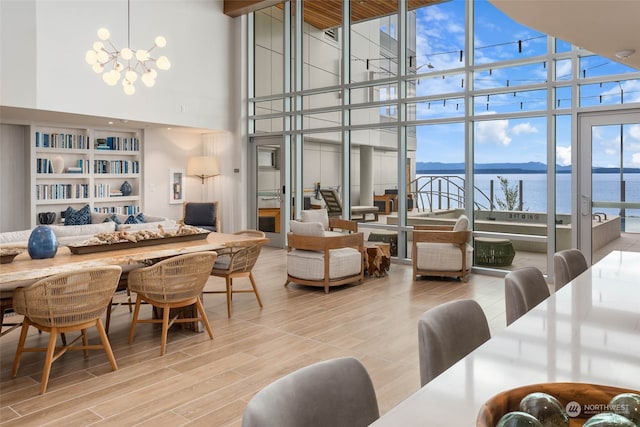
{"points": [[208, 382]]}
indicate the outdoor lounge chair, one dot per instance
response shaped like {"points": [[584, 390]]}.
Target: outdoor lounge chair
{"points": [[334, 207]]}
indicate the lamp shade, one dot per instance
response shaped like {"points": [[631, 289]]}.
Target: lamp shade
{"points": [[203, 167]]}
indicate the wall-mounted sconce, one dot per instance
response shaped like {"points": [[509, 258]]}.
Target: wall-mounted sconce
{"points": [[203, 167]]}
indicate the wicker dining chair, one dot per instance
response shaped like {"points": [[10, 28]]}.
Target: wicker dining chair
{"points": [[237, 261], [62, 303], [175, 282]]}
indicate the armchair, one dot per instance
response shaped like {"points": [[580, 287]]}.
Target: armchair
{"points": [[442, 250], [319, 258], [203, 215]]}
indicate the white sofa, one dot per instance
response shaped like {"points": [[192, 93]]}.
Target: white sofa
{"points": [[67, 234]]}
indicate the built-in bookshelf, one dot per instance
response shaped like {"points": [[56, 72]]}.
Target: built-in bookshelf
{"points": [[75, 167]]}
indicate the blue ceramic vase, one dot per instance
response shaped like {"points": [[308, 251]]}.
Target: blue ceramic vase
{"points": [[42, 243], [125, 188]]}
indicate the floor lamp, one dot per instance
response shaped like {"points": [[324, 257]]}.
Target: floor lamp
{"points": [[203, 167]]}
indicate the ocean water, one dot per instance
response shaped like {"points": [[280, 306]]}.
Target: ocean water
{"points": [[606, 187]]}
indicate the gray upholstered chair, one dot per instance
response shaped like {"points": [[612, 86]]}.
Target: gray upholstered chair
{"points": [[334, 393], [567, 265], [524, 289], [447, 333], [204, 215]]}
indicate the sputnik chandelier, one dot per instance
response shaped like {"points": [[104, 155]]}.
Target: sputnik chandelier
{"points": [[112, 63]]}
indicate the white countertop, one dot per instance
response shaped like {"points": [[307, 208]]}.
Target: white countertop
{"points": [[588, 332]]}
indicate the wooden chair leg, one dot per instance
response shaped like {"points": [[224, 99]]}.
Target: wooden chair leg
{"points": [[229, 292], [107, 321], [205, 320], [23, 337], [53, 338], [255, 289], [106, 344], [85, 342], [136, 311], [165, 328]]}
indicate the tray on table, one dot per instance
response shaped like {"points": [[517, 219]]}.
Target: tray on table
{"points": [[80, 249]]}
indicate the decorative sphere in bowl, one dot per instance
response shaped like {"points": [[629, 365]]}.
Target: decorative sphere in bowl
{"points": [[627, 405], [608, 419], [518, 419], [546, 409]]}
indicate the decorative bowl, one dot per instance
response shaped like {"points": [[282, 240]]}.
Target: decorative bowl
{"points": [[581, 400], [8, 254]]}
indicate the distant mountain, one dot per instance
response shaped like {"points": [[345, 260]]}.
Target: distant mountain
{"points": [[504, 168]]}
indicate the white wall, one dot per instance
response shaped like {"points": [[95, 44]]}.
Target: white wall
{"points": [[195, 92], [43, 68], [14, 173]]}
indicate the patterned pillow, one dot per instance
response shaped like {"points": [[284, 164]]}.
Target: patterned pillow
{"points": [[77, 217], [138, 219], [113, 218]]}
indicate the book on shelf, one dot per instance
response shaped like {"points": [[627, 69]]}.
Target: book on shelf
{"points": [[74, 169]]}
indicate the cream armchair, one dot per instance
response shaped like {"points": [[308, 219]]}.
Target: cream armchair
{"points": [[323, 258], [442, 250]]}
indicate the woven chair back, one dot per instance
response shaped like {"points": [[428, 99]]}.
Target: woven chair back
{"points": [[245, 259], [175, 279], [68, 299]]}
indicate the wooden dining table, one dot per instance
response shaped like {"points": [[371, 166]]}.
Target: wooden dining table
{"points": [[24, 270], [587, 332]]}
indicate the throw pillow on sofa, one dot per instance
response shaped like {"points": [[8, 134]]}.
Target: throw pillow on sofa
{"points": [[77, 217], [138, 219], [113, 218]]}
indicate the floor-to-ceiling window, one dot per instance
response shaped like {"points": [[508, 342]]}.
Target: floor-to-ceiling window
{"points": [[447, 108]]}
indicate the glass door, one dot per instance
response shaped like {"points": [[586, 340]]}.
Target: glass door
{"points": [[608, 183], [269, 190]]}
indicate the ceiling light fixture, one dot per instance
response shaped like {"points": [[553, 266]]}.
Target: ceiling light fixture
{"points": [[625, 53], [110, 62]]}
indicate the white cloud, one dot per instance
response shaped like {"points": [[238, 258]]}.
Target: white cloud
{"points": [[563, 155], [634, 132], [523, 128], [493, 132], [635, 160]]}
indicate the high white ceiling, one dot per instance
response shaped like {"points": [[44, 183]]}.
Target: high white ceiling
{"points": [[599, 26]]}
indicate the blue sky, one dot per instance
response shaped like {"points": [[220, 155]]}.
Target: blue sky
{"points": [[440, 37]]}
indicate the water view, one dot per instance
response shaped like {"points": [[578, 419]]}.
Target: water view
{"points": [[606, 187]]}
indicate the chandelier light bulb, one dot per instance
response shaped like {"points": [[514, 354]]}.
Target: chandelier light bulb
{"points": [[163, 63], [160, 41], [142, 55], [91, 57], [153, 72], [103, 57], [148, 79], [131, 76], [103, 34], [98, 46], [126, 53], [118, 66], [129, 89], [98, 67]]}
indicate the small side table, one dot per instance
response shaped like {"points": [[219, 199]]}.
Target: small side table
{"points": [[386, 236], [377, 258], [493, 252]]}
